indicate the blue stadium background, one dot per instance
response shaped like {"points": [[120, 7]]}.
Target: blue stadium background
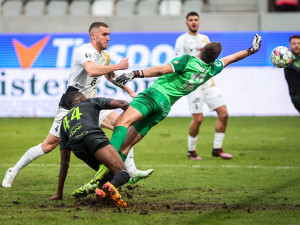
{"points": [[231, 41]]}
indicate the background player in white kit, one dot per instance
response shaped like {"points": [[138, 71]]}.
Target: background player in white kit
{"points": [[192, 43], [89, 63]]}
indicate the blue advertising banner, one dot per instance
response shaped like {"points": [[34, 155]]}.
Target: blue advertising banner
{"points": [[142, 48], [34, 70]]}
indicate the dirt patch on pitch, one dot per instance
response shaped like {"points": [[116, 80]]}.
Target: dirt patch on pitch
{"points": [[145, 207], [177, 207]]}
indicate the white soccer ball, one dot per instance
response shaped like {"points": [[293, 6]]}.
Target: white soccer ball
{"points": [[281, 57]]}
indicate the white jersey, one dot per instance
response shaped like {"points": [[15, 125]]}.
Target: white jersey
{"points": [[80, 81], [78, 77], [208, 92], [190, 44]]}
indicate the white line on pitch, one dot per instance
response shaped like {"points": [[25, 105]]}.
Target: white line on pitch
{"points": [[170, 166], [226, 166]]}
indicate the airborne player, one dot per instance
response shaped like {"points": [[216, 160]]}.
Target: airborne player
{"points": [[180, 77]]}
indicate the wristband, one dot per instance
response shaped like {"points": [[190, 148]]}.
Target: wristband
{"points": [[138, 73], [250, 51]]}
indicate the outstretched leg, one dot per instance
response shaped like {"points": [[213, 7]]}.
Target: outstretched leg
{"points": [[131, 139], [30, 155], [108, 122], [125, 120], [50, 143]]}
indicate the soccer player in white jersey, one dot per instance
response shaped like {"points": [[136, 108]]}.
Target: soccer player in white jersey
{"points": [[90, 62], [192, 43]]}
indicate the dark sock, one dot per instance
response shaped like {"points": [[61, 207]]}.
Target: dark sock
{"points": [[120, 178], [106, 178]]}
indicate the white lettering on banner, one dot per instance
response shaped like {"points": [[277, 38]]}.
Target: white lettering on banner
{"points": [[140, 56], [63, 45], [248, 91]]}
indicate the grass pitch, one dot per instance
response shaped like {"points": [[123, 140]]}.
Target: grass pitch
{"points": [[260, 185]]}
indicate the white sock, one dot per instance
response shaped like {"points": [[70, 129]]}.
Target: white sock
{"points": [[218, 140], [129, 163], [29, 156], [192, 141]]}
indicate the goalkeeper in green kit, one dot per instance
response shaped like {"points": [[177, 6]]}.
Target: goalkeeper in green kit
{"points": [[176, 79]]}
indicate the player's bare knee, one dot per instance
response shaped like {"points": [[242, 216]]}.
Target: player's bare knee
{"points": [[223, 116], [120, 122], [197, 120], [116, 123], [48, 148], [110, 126]]}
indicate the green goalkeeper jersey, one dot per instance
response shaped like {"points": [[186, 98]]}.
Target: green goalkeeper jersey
{"points": [[189, 73]]}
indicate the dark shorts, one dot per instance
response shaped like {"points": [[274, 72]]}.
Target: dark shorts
{"points": [[87, 147]]}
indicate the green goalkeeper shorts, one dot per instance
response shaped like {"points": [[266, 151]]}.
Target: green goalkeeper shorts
{"points": [[154, 107]]}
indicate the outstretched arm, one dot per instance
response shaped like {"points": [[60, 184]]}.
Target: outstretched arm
{"points": [[154, 71], [64, 166], [95, 70], [243, 54]]}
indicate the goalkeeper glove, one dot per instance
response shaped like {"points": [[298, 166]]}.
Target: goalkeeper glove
{"points": [[125, 77], [255, 45]]}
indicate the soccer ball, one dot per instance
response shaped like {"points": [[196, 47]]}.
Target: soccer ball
{"points": [[281, 57]]}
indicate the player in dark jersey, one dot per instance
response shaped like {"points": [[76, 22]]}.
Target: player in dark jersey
{"points": [[81, 134], [89, 63], [292, 72]]}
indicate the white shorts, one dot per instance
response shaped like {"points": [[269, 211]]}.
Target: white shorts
{"points": [[211, 95], [61, 112]]}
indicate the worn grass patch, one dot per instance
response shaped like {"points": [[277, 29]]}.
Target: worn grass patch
{"points": [[260, 185]]}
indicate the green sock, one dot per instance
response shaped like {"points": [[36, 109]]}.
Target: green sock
{"points": [[118, 137], [123, 156]]}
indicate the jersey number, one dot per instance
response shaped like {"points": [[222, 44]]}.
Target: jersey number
{"points": [[195, 77], [75, 115]]}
